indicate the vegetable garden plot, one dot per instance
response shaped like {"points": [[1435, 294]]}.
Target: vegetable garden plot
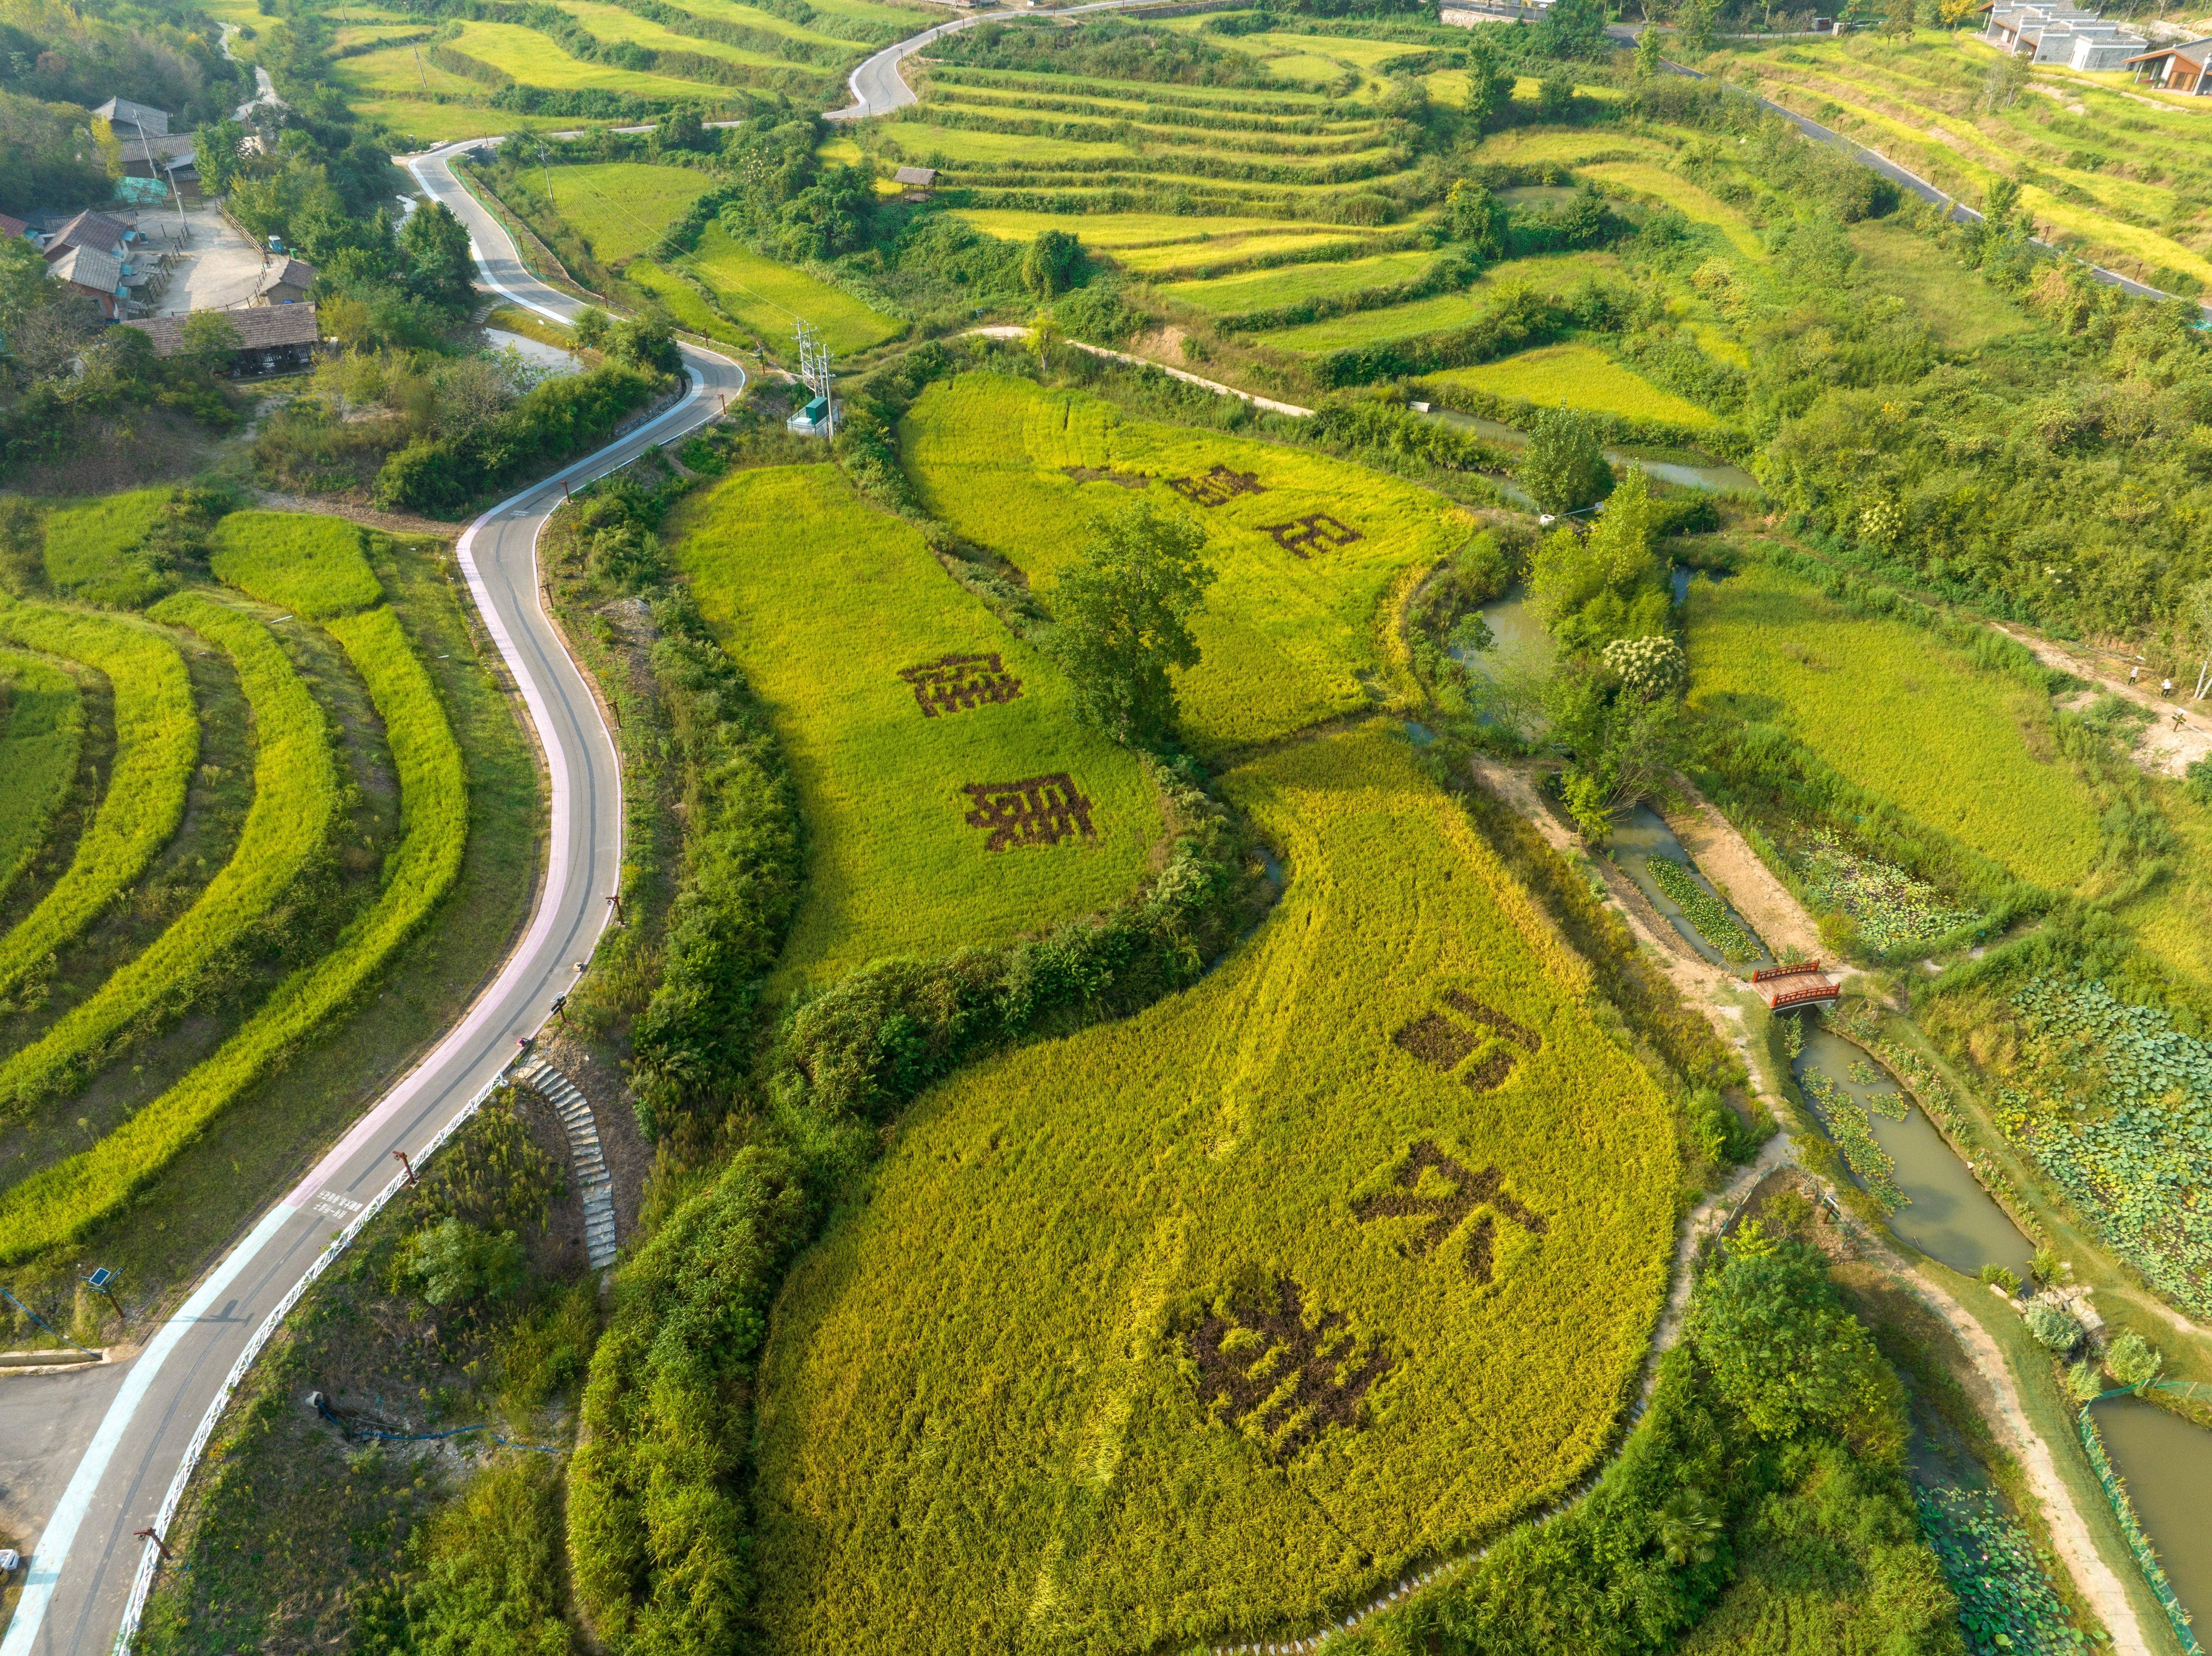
{"points": [[1898, 711], [295, 797], [863, 648], [1290, 632], [1198, 1327], [39, 750], [157, 744], [62, 1202]]}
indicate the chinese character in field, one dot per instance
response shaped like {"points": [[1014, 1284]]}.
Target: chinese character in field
{"points": [[1266, 1371], [1303, 534], [1041, 811], [1444, 1209], [1218, 488], [957, 683]]}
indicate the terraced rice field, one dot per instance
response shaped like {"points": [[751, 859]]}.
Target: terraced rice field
{"points": [[768, 297], [1028, 143], [1412, 1159], [96, 1037], [1252, 289], [2125, 184], [896, 694], [1307, 550], [1550, 273], [1580, 376]]}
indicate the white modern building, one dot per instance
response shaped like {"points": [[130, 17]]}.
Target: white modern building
{"points": [[2060, 34]]}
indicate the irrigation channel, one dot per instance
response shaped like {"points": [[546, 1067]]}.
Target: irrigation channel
{"points": [[2166, 1464], [1701, 473]]}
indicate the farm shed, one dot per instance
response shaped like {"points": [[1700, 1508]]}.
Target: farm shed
{"points": [[271, 339]]}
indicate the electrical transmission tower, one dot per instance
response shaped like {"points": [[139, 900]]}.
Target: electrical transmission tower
{"points": [[814, 371]]}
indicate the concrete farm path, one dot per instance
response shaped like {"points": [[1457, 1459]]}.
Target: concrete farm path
{"points": [[2164, 748], [126, 1464], [1722, 998]]}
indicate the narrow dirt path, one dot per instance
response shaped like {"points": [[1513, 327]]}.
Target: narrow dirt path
{"points": [[1765, 901], [2164, 748]]}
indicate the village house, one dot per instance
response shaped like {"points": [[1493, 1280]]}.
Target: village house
{"points": [[92, 274], [275, 339], [2184, 67], [150, 150], [283, 281], [2059, 34]]}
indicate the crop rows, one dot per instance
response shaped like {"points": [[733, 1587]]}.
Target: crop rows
{"points": [[1385, 1140], [60, 1202], [1290, 634], [157, 744], [295, 794], [38, 756], [895, 866]]}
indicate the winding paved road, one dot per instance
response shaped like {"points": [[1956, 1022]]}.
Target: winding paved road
{"points": [[86, 1571]]}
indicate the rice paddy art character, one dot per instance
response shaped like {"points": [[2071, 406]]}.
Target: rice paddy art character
{"points": [[1302, 536], [1246, 1353], [1470, 1193], [1038, 810], [957, 683], [1218, 488]]}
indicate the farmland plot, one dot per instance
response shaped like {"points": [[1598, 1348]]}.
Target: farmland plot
{"points": [[39, 750], [1305, 547], [1899, 714], [1009, 1403], [949, 797]]}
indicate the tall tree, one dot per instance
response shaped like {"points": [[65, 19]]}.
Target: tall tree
{"points": [[1563, 467], [436, 244], [1124, 614], [1489, 84]]}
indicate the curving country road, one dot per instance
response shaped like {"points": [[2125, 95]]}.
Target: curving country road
{"points": [[86, 1572]]}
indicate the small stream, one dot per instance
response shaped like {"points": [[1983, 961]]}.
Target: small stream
{"points": [[1718, 475], [1641, 835], [2166, 1464], [1947, 1215]]}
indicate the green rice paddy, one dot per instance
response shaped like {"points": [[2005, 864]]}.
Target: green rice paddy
{"points": [[1580, 377]]}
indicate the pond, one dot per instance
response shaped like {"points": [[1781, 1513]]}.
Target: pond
{"points": [[1718, 475], [2166, 1464], [1681, 577], [1948, 1216], [1521, 643], [1641, 836]]}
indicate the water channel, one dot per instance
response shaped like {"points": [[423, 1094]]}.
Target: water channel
{"points": [[1947, 1215], [1642, 835], [1718, 475], [2166, 1464]]}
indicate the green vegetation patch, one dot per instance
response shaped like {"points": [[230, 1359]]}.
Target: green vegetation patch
{"points": [[1580, 377], [1963, 313], [624, 208], [39, 751], [1305, 546], [772, 299], [89, 548], [949, 797], [1202, 1324], [1704, 911], [1898, 713], [313, 566]]}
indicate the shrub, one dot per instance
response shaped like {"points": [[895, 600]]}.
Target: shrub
{"points": [[453, 1262], [2053, 1326], [1785, 1352], [2132, 1360]]}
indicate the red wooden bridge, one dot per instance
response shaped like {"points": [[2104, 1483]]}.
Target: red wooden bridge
{"points": [[1781, 997], [1768, 973]]}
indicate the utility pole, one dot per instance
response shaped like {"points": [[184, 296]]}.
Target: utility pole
{"points": [[547, 167], [421, 74], [400, 1156], [147, 1534]]}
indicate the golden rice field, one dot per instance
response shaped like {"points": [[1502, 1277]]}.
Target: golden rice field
{"points": [[832, 608], [1307, 548], [1580, 377], [1896, 712], [993, 1417]]}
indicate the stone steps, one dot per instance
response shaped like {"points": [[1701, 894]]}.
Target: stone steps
{"points": [[593, 1180]]}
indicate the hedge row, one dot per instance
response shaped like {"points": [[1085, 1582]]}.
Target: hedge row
{"points": [[1152, 113], [1523, 318], [960, 75], [1121, 168]]}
